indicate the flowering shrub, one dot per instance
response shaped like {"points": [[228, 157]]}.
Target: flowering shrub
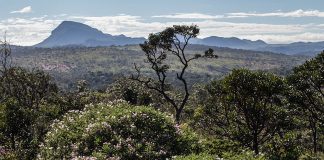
{"points": [[113, 131]]}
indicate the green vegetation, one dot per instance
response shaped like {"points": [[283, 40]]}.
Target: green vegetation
{"points": [[307, 94], [99, 66], [172, 40], [25, 96], [244, 106], [113, 131], [241, 110]]}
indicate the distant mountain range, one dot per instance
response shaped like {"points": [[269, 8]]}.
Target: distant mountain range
{"points": [[74, 33]]}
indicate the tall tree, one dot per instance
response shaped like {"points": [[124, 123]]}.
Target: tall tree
{"points": [[171, 41], [245, 106], [23, 93], [307, 93]]}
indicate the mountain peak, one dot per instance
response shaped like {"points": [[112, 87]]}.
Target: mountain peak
{"points": [[70, 22], [75, 33], [71, 26]]}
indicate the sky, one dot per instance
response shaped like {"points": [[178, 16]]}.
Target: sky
{"points": [[28, 22]]}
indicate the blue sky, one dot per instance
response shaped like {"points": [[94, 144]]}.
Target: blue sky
{"points": [[28, 22]]}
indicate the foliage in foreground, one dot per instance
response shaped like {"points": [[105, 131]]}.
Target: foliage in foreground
{"points": [[114, 131]]}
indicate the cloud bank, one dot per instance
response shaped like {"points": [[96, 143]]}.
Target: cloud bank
{"points": [[30, 31], [189, 16], [296, 13]]}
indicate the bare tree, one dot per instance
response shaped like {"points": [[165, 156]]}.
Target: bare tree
{"points": [[173, 40]]}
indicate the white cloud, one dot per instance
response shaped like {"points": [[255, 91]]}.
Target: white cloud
{"points": [[296, 13], [60, 15], [122, 24], [27, 31], [200, 16], [134, 26], [189, 16], [30, 31], [27, 9]]}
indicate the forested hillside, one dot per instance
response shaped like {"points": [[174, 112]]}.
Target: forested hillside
{"points": [[101, 65]]}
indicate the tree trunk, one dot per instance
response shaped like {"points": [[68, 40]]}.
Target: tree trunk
{"points": [[314, 134], [13, 143], [178, 115], [255, 143]]}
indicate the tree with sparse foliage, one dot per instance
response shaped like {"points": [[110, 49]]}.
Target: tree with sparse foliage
{"points": [[170, 43]]}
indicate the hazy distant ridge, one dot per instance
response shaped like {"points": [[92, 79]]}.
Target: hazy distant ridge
{"points": [[75, 33]]}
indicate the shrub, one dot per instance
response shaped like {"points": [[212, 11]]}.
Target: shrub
{"points": [[114, 130], [219, 147], [246, 155], [284, 148], [312, 156], [133, 92], [203, 156]]}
